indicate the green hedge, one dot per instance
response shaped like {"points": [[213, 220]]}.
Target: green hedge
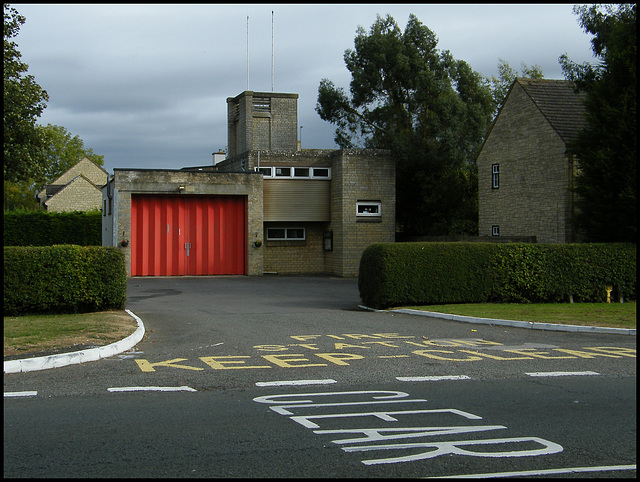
{"points": [[397, 274], [63, 279], [42, 228]]}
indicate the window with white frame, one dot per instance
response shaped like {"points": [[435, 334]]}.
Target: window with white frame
{"points": [[283, 172], [290, 172], [495, 176], [286, 234], [495, 230], [369, 208], [301, 172], [265, 171], [321, 172]]}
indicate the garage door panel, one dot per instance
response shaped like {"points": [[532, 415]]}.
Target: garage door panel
{"points": [[213, 226]]}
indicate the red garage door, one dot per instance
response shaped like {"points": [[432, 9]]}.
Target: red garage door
{"points": [[188, 235]]}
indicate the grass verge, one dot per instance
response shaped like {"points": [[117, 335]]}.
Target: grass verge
{"points": [[610, 315], [38, 333]]}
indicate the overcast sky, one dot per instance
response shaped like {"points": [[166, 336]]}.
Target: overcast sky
{"points": [[146, 85]]}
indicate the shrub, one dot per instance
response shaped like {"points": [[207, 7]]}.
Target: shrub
{"points": [[42, 228], [63, 279], [546, 273], [396, 274]]}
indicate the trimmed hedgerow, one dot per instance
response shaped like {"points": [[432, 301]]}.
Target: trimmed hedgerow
{"points": [[63, 279], [397, 274], [43, 228]]}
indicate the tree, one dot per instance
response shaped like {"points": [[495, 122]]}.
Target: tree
{"points": [[61, 151], [506, 75], [606, 148], [430, 109], [19, 195], [24, 101]]}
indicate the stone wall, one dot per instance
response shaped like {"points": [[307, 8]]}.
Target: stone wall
{"points": [[87, 168], [262, 120], [359, 175], [295, 257], [533, 198], [356, 175], [79, 195]]}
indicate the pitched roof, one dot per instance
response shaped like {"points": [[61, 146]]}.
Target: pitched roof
{"points": [[559, 103]]}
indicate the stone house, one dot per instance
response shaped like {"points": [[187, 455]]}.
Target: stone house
{"points": [[525, 170], [77, 189], [269, 207]]}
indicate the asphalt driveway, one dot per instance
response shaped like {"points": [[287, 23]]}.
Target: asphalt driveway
{"points": [[243, 294]]}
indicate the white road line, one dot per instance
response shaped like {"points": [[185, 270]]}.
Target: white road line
{"points": [[524, 473], [284, 383], [20, 394], [560, 374], [152, 389], [433, 378]]}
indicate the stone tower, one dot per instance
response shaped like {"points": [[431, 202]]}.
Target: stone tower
{"points": [[262, 121]]}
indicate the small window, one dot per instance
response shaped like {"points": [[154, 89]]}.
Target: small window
{"points": [[283, 172], [104, 207], [495, 176], [285, 234], [368, 209], [301, 172], [495, 230], [265, 171], [323, 172]]}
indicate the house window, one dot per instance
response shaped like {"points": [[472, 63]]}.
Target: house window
{"points": [[368, 208], [495, 176], [495, 230], [285, 234], [300, 172], [265, 171]]}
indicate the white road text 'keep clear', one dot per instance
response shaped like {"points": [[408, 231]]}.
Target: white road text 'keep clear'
{"points": [[303, 408]]}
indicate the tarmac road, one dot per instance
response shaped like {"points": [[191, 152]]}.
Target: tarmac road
{"points": [[217, 346]]}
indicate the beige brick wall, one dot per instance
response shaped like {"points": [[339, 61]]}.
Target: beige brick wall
{"points": [[80, 195], [356, 175], [359, 175], [293, 257], [86, 168], [533, 198], [272, 129]]}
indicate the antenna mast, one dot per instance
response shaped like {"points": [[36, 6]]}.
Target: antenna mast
{"points": [[247, 52], [272, 51]]}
